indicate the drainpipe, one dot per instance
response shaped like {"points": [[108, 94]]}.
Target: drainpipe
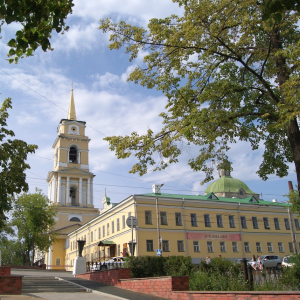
{"points": [[137, 228], [185, 234], [158, 229], [241, 232]]}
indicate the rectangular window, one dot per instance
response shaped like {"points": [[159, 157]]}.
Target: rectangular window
{"points": [[92, 257], [107, 229], [270, 247], [99, 233], [119, 250], [287, 224], [149, 244], [196, 246], [163, 218], [219, 221], [194, 222], [148, 217], [235, 247], [297, 226], [96, 256], [231, 222], [247, 247], [210, 247], [180, 246], [280, 247], [254, 222], [243, 222], [266, 223], [112, 226], [276, 223], [207, 220], [291, 248], [91, 236], [103, 231], [118, 224], [165, 246], [178, 220], [123, 222], [258, 247], [222, 247], [57, 261]]}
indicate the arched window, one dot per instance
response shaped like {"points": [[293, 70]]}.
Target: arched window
{"points": [[74, 219], [73, 155], [73, 197]]}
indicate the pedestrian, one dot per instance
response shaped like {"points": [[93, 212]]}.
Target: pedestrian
{"points": [[207, 260], [253, 262], [260, 263]]}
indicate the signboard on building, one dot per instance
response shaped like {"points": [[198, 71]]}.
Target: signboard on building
{"points": [[213, 236]]}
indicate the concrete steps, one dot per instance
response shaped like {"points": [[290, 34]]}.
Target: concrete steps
{"points": [[48, 285]]}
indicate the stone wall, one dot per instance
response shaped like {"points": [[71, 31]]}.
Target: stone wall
{"points": [[176, 287]]}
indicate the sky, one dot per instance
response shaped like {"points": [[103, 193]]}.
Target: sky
{"points": [[40, 90]]}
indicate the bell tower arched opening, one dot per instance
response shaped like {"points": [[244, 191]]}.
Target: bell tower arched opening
{"points": [[73, 196], [73, 155]]}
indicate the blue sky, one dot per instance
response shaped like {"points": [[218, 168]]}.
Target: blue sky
{"points": [[40, 90]]}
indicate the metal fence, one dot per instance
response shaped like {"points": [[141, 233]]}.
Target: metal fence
{"points": [[98, 266]]}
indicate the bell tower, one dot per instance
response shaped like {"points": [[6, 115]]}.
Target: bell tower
{"points": [[70, 184]]}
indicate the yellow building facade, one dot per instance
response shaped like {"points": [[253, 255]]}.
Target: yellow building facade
{"points": [[196, 226], [70, 184]]}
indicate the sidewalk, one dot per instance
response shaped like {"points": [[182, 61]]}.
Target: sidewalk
{"points": [[97, 290]]}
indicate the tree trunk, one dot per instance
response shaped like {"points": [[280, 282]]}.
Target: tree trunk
{"points": [[293, 134]]}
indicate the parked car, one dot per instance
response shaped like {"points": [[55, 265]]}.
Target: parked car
{"points": [[239, 261], [286, 262], [114, 262], [271, 261]]}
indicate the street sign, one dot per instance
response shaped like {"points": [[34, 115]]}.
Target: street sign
{"points": [[158, 252], [131, 220]]}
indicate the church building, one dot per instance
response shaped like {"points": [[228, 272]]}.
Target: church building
{"points": [[229, 219], [70, 184]]}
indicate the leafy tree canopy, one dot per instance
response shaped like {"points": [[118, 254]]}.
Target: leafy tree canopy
{"points": [[38, 19], [33, 216], [13, 155], [270, 8], [227, 76]]}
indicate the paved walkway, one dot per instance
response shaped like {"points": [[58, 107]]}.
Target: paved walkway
{"points": [[97, 290]]}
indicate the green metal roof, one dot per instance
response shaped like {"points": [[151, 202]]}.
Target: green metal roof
{"points": [[226, 184], [214, 198]]}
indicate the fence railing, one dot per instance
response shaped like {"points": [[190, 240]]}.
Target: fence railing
{"points": [[97, 266]]}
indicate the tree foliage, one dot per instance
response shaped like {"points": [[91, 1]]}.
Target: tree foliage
{"points": [[13, 155], [277, 8], [271, 9], [38, 19], [33, 217], [227, 76]]}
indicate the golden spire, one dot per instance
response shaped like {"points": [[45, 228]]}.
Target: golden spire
{"points": [[72, 112]]}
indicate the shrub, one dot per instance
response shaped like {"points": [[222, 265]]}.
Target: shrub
{"points": [[219, 275], [153, 266]]}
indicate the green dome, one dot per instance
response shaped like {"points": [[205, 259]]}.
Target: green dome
{"points": [[226, 184]]}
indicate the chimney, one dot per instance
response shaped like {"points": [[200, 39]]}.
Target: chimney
{"points": [[290, 185]]}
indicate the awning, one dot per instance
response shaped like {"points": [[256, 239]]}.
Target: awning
{"points": [[106, 243]]}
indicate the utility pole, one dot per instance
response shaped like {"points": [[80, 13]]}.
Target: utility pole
{"points": [[291, 221]]}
